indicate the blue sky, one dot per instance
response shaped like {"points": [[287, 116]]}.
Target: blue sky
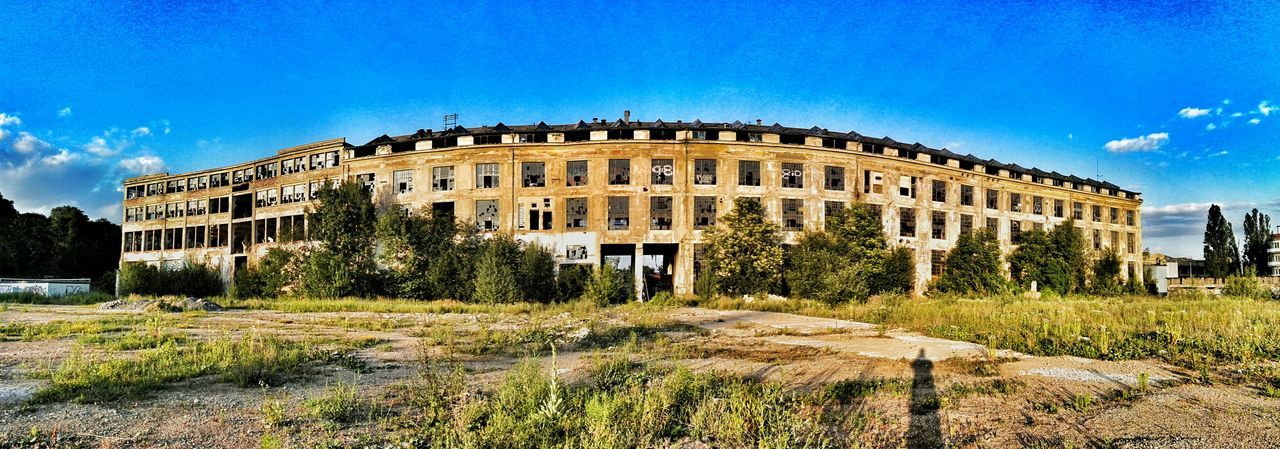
{"points": [[1172, 101]]}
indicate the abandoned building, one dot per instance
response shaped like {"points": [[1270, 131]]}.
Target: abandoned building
{"points": [[632, 193]]}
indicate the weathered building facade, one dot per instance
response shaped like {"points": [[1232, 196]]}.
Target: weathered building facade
{"points": [[634, 193]]}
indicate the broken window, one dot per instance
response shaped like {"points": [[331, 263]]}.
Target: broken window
{"points": [[993, 199], [906, 222], [1115, 239], [1015, 231], [539, 216], [575, 173], [575, 213], [1037, 205], [264, 198], [872, 182], [1115, 216], [218, 236], [366, 179], [939, 191], [402, 181], [174, 210], [1057, 208], [749, 173], [324, 160], [994, 225], [487, 215], [619, 172], [938, 225], [1097, 213], [196, 207], [662, 171], [660, 213], [704, 172], [966, 195], [619, 218], [533, 138], [1015, 202], [1129, 217], [296, 193], [966, 223], [792, 214], [195, 237], [533, 174], [907, 186], [750, 137], [1131, 245], [834, 178], [265, 171], [621, 134], [442, 178], [937, 262], [264, 230], [1097, 239], [173, 238], [176, 186], [704, 212], [792, 175], [487, 176], [218, 180], [1077, 210]]}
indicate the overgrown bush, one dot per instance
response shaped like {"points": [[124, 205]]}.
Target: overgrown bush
{"points": [[897, 274], [744, 251], [273, 273], [1244, 287], [192, 279], [538, 274], [1055, 260], [343, 221], [572, 280], [608, 285], [1106, 274], [495, 280], [974, 266]]}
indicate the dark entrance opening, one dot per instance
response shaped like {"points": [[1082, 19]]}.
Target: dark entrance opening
{"points": [[659, 265], [442, 208], [241, 237]]}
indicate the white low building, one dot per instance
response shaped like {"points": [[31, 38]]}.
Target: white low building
{"points": [[47, 287]]}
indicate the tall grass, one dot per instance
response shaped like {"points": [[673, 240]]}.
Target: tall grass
{"points": [[76, 299], [250, 360], [385, 305], [1188, 331], [622, 404]]}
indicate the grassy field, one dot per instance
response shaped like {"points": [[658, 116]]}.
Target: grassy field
{"points": [[1194, 332]]}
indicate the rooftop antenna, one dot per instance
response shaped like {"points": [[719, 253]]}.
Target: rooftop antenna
{"points": [[450, 121]]}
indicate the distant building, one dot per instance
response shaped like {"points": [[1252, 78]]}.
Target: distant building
{"points": [[627, 192], [46, 287], [1273, 253]]}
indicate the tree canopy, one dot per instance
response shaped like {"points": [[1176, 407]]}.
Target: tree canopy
{"points": [[1221, 255]]}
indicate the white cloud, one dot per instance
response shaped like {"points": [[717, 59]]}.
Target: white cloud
{"points": [[1193, 112], [6, 119], [1237, 115], [1255, 121], [165, 122], [1210, 127], [1220, 153], [1266, 109], [99, 147], [1226, 101], [1071, 136], [1150, 142], [3, 133], [141, 131], [142, 165], [64, 112], [29, 144], [61, 158]]}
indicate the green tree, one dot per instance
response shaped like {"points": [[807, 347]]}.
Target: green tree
{"points": [[495, 281], [1257, 236], [897, 274], [270, 277], [1056, 260], [420, 252], [343, 221], [744, 251], [608, 285], [846, 261], [1106, 274], [974, 265], [1221, 255], [538, 273]]}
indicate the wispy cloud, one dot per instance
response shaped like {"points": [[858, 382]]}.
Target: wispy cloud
{"points": [[1266, 109], [64, 112], [1255, 121], [1193, 112], [1210, 127], [141, 131], [7, 120], [1149, 142], [28, 144]]}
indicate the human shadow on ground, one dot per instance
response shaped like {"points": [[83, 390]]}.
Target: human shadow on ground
{"points": [[925, 430]]}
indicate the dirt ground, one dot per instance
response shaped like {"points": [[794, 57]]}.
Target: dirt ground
{"points": [[800, 351]]}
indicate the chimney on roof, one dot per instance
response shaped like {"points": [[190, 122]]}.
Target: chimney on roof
{"points": [[626, 116], [759, 122], [595, 119]]}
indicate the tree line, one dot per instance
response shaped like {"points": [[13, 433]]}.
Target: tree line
{"points": [[64, 244], [1222, 256]]}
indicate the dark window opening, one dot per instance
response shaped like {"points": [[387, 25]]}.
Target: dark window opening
{"points": [[577, 136]]}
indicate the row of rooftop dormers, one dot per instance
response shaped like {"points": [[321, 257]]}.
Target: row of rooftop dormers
{"points": [[616, 130], [660, 130]]}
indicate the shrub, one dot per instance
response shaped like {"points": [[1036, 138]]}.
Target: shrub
{"points": [[537, 276], [973, 265], [272, 275], [192, 279], [1106, 274], [339, 404], [572, 280], [1244, 287], [495, 281], [897, 274], [343, 221], [744, 251], [1056, 260], [608, 286]]}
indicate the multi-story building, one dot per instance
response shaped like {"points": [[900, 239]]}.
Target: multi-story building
{"points": [[1273, 253], [628, 192]]}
